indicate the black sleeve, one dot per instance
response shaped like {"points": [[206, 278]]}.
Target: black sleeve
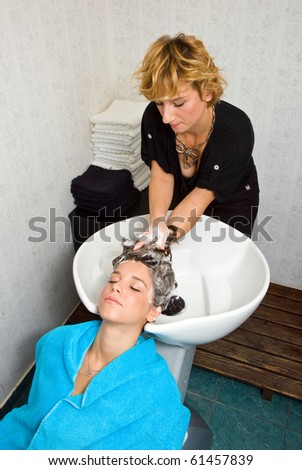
{"points": [[158, 140], [228, 160]]}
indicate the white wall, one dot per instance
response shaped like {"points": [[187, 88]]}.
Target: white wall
{"points": [[64, 60], [56, 71]]}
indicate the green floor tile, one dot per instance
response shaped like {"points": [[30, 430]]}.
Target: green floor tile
{"points": [[293, 440], [202, 406], [295, 416], [247, 398], [237, 430], [204, 383]]}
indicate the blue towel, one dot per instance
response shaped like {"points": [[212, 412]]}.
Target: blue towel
{"points": [[132, 404]]}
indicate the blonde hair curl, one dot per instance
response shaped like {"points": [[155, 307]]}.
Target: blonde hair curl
{"points": [[171, 59]]}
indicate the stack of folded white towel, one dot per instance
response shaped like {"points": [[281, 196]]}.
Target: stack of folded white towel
{"points": [[116, 140]]}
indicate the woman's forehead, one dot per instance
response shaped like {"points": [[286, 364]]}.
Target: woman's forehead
{"points": [[184, 90], [133, 267]]}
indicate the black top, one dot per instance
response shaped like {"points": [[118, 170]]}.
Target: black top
{"points": [[226, 161]]}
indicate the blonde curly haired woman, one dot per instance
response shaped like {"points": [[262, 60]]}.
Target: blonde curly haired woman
{"points": [[199, 148]]}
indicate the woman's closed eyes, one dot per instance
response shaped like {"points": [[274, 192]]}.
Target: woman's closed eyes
{"points": [[177, 105], [131, 287], [136, 284]]}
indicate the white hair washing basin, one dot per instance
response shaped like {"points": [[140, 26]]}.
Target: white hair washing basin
{"points": [[221, 275]]}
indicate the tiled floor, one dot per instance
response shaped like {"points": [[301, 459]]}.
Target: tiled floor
{"points": [[240, 419]]}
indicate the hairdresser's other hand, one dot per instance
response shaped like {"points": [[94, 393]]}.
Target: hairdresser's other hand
{"points": [[155, 233]]}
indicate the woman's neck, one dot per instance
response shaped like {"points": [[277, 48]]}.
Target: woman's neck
{"points": [[111, 341], [199, 131]]}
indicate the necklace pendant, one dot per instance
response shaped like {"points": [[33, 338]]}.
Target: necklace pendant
{"points": [[188, 165], [190, 158], [189, 153], [89, 372]]}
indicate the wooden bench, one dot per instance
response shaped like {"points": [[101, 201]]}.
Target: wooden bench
{"points": [[266, 350]]}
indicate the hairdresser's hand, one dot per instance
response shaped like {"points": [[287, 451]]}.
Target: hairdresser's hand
{"points": [[155, 233]]}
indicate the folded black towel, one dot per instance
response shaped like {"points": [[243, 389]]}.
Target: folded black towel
{"points": [[105, 192], [101, 180]]}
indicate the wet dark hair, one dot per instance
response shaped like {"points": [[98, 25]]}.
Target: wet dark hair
{"points": [[158, 262]]}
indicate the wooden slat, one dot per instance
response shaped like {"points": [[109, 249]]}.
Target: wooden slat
{"points": [[281, 303], [284, 291], [278, 316], [256, 358], [257, 342], [251, 375], [273, 330]]}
